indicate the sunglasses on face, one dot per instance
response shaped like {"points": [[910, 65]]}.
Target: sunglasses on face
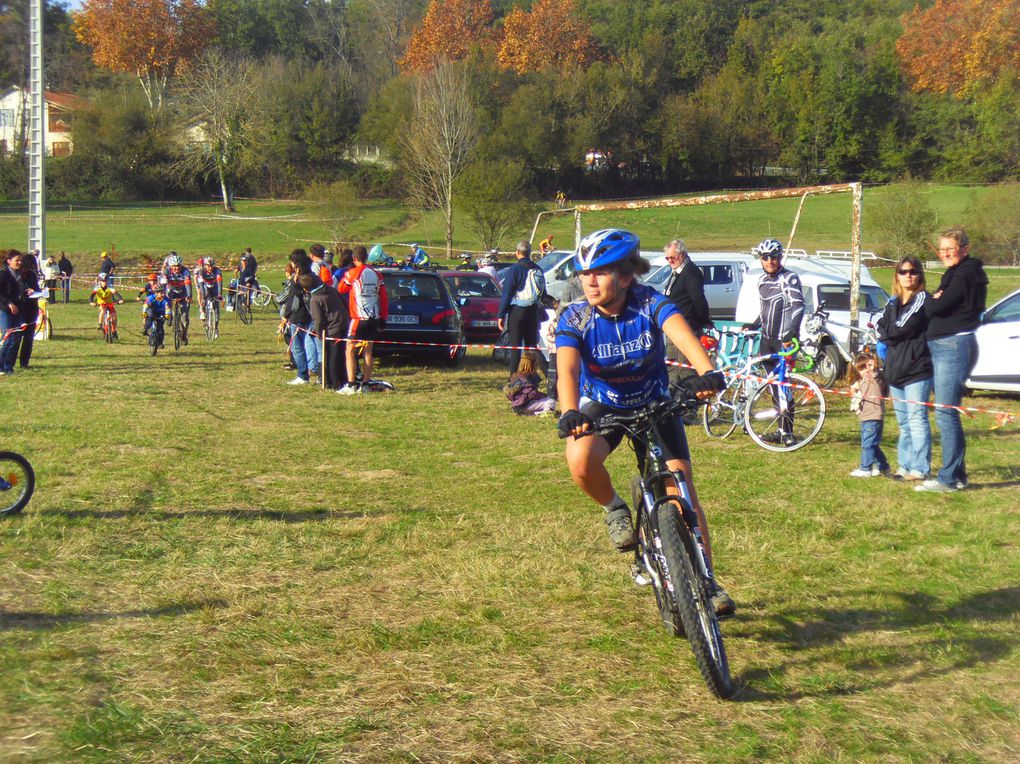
{"points": [[909, 272], [770, 257]]}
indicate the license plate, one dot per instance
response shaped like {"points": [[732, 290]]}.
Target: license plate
{"points": [[485, 323], [402, 319]]}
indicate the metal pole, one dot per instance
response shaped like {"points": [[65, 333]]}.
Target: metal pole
{"points": [[796, 219], [36, 133], [855, 264], [577, 229]]}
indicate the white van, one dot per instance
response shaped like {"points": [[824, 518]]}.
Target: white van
{"points": [[823, 280], [724, 273]]}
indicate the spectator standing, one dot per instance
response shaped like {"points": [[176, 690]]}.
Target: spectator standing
{"points": [[320, 267], [908, 368], [29, 308], [66, 271], [368, 308], [685, 289], [303, 345], [330, 318], [50, 273], [106, 265], [10, 309], [520, 308], [782, 308], [954, 312], [868, 389]]}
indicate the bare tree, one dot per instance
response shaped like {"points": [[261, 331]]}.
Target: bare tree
{"points": [[394, 20], [440, 139], [224, 119]]}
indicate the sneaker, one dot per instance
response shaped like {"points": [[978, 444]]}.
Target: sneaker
{"points": [[347, 390], [723, 603], [289, 366], [914, 475], [935, 486], [298, 381], [789, 440], [863, 473], [959, 485], [773, 437], [115, 335], [621, 528]]}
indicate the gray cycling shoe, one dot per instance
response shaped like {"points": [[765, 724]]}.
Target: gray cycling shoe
{"points": [[723, 603], [621, 529]]}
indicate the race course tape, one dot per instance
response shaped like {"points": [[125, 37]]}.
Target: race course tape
{"points": [[1002, 418]]}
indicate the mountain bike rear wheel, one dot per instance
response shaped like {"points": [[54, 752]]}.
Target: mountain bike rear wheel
{"points": [[17, 483], [689, 592], [787, 417], [242, 306]]}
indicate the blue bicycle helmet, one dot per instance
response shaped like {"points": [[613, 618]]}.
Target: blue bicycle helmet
{"points": [[605, 247], [768, 247]]}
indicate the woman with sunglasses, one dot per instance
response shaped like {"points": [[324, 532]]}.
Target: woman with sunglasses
{"points": [[908, 367]]}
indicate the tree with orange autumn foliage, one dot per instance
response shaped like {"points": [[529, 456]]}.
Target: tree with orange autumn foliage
{"points": [[958, 43], [550, 35], [151, 39], [448, 32]]}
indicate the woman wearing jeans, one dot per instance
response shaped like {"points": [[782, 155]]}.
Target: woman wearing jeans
{"points": [[954, 312], [908, 367]]}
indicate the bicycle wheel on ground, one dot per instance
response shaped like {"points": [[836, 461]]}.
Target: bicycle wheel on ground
{"points": [[108, 330], [787, 417], [721, 415], [178, 328], [689, 592], [668, 612], [45, 329], [17, 482], [262, 297], [210, 321], [242, 306]]}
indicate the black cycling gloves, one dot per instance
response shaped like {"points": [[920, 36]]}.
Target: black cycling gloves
{"points": [[570, 421], [709, 382]]}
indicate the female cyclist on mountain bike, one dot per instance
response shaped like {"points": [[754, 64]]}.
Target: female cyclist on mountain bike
{"points": [[610, 356]]}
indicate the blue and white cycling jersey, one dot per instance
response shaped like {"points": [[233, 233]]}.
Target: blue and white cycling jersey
{"points": [[623, 357]]}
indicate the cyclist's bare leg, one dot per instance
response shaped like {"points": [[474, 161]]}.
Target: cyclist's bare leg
{"points": [[685, 466], [366, 365], [586, 459]]}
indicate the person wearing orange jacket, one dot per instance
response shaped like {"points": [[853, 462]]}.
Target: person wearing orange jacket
{"points": [[368, 307]]}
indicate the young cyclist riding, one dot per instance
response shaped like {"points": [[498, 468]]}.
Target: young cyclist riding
{"points": [[610, 356], [148, 289], [210, 284], [178, 287], [104, 297]]}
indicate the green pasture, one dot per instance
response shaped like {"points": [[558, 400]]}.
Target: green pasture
{"points": [[275, 228], [219, 567]]}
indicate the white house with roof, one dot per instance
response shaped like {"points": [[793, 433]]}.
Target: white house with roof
{"points": [[59, 109]]}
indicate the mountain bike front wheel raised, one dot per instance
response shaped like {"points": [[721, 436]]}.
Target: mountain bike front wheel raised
{"points": [[785, 416], [17, 482], [689, 592]]}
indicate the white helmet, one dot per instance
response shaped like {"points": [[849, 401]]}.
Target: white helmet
{"points": [[173, 260]]}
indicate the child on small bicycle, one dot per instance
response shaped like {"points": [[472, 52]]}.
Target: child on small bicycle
{"points": [[147, 290], [867, 400], [523, 389], [104, 297], [156, 308]]}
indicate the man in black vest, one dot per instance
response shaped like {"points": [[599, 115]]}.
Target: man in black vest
{"points": [[685, 289]]}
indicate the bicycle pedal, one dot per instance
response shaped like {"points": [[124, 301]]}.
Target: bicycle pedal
{"points": [[641, 576]]}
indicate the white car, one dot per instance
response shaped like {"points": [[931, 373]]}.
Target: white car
{"points": [[998, 341]]}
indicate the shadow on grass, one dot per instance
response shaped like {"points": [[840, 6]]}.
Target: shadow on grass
{"points": [[292, 516], [40, 621], [812, 630]]}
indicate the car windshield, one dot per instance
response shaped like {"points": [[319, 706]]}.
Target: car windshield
{"points": [[412, 286], [657, 277], [1007, 310], [872, 298], [548, 261], [473, 286]]}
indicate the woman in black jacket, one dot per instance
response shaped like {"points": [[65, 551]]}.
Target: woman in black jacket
{"points": [[908, 367], [29, 276], [10, 309]]}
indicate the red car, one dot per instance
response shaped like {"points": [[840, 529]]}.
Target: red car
{"points": [[481, 311]]}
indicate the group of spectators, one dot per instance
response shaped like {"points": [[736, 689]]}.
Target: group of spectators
{"points": [[332, 313]]}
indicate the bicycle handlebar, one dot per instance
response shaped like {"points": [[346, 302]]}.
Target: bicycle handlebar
{"points": [[642, 418]]}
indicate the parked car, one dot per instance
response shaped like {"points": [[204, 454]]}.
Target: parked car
{"points": [[422, 310], [998, 340], [559, 265], [480, 312], [724, 275]]}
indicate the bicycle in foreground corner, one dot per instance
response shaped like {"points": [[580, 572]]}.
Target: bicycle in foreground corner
{"points": [[779, 410], [17, 483], [669, 555]]}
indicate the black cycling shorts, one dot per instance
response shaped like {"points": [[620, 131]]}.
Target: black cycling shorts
{"points": [[366, 329], [672, 432]]}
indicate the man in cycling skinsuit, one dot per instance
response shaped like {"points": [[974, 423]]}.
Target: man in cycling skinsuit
{"points": [[610, 355], [210, 285], [178, 287], [419, 257], [782, 308], [368, 308]]}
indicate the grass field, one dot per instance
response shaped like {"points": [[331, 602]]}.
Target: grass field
{"points": [[275, 228], [219, 567]]}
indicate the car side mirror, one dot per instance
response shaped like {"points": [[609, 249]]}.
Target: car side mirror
{"points": [[462, 301]]}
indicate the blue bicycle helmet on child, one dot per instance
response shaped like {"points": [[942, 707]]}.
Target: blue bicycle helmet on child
{"points": [[605, 247]]}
